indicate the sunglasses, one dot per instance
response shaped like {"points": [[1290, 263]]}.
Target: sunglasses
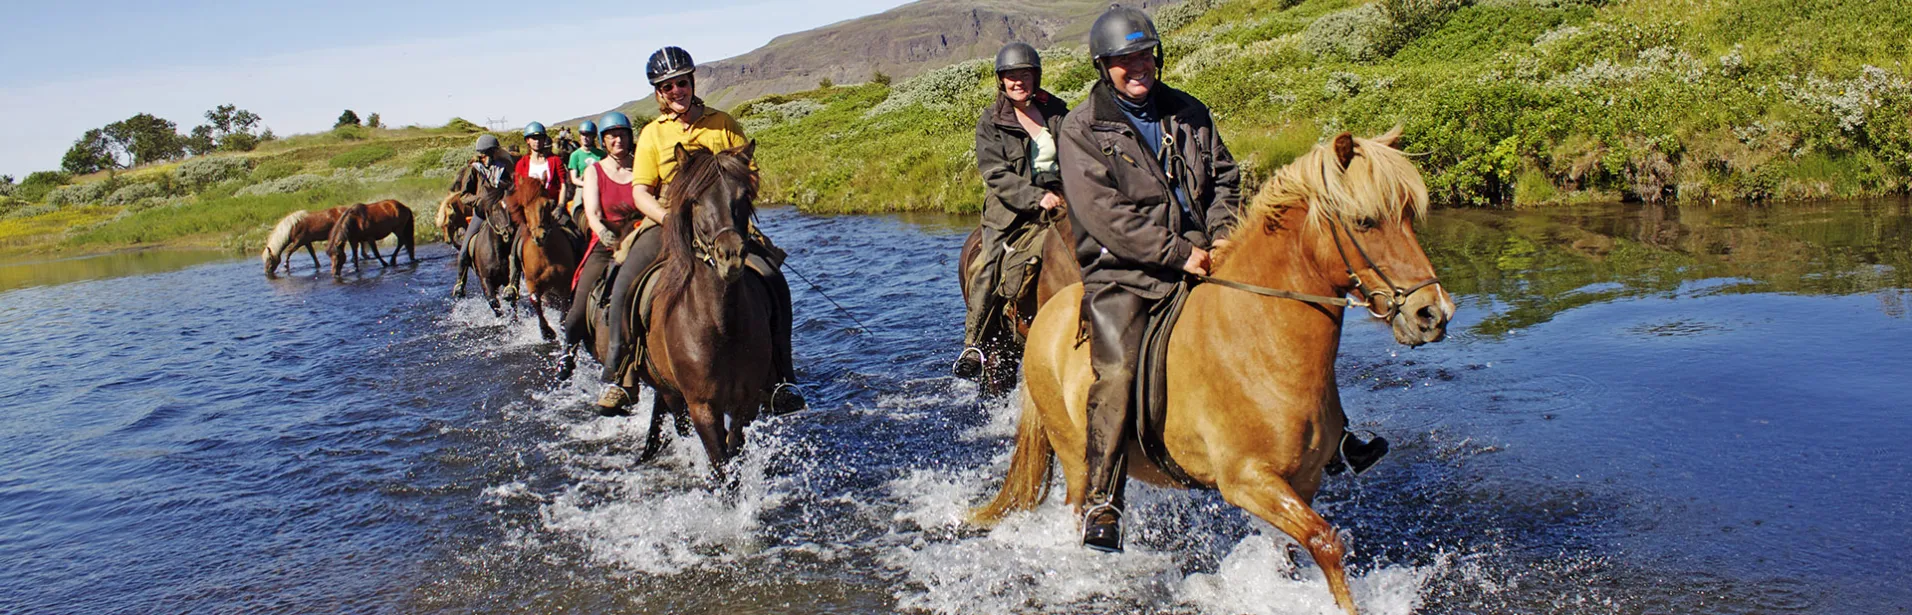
{"points": [[667, 86]]}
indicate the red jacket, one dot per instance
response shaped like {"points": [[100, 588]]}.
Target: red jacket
{"points": [[554, 178]]}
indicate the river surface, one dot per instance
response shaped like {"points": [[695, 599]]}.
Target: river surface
{"points": [[1640, 410]]}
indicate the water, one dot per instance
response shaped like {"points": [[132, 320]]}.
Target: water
{"points": [[1641, 410]]}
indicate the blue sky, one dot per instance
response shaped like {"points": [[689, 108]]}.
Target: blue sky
{"points": [[71, 66]]}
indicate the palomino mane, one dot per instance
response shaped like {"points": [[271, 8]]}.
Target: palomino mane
{"points": [[1379, 183], [282, 233]]}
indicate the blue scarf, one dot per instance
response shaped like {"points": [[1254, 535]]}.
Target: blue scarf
{"points": [[1147, 120]]}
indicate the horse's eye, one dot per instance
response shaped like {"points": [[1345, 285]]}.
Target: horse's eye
{"points": [[1365, 224]]}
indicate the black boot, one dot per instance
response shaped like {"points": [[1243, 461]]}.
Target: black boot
{"points": [[1354, 454], [969, 364], [785, 399], [1102, 528]]}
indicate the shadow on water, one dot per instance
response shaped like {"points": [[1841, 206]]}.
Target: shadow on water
{"points": [[1641, 410]]}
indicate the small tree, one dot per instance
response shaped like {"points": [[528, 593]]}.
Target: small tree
{"points": [[145, 138], [826, 83], [348, 118], [371, 121], [880, 78], [91, 153]]}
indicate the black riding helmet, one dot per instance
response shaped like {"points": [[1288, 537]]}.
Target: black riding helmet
{"points": [[1121, 31], [1018, 55], [669, 63]]}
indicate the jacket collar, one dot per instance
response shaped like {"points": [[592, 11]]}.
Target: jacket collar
{"points": [[1169, 101], [1003, 114]]}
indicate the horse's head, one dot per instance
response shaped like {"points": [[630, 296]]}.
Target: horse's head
{"points": [[711, 202], [529, 209], [336, 242], [271, 259], [1361, 199]]}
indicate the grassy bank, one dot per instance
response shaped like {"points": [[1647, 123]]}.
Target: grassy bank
{"points": [[1513, 102]]}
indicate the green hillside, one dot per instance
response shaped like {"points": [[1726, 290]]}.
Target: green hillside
{"points": [[1512, 102]]}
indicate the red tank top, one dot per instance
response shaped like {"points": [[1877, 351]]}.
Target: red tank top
{"points": [[615, 202]]}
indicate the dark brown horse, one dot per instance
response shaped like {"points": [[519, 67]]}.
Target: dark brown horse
{"points": [[548, 255], [366, 224], [487, 257], [299, 229], [709, 328], [1002, 350]]}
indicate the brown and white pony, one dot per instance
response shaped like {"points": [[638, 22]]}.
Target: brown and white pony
{"points": [[299, 229], [1253, 407]]}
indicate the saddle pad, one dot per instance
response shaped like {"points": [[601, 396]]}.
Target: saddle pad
{"points": [[1151, 385], [1021, 260]]}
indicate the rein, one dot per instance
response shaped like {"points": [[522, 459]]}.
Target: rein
{"points": [[1368, 298]]}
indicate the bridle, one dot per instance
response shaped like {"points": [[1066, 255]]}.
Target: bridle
{"points": [[1392, 299]]}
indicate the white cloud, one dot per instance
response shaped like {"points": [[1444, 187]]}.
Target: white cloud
{"points": [[549, 74]]}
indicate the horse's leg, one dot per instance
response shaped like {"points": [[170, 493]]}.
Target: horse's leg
{"points": [[537, 307], [381, 257], [1269, 496], [710, 429], [309, 251], [654, 437]]}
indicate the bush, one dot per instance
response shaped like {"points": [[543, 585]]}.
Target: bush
{"points": [[459, 124], [456, 157], [1357, 34], [362, 157], [285, 185], [959, 86], [1172, 17], [207, 170], [277, 169], [30, 211], [79, 194], [135, 193], [351, 132]]}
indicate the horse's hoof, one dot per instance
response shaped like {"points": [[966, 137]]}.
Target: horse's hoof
{"points": [[566, 367]]}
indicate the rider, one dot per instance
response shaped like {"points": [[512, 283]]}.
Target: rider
{"points": [[1152, 189], [541, 164], [1016, 155], [492, 169], [611, 213], [683, 119], [582, 159]]}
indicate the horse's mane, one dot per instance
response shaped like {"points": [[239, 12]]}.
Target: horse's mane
{"points": [[282, 233], [351, 217], [524, 193], [1379, 182], [697, 173]]}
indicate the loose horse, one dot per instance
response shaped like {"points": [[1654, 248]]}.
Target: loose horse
{"points": [[709, 326], [549, 258], [1253, 409], [299, 229], [1002, 350], [366, 224]]}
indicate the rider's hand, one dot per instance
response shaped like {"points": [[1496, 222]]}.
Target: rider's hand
{"points": [[1197, 262], [1050, 200]]}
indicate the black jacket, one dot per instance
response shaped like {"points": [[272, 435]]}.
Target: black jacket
{"points": [[1002, 157], [1129, 229]]}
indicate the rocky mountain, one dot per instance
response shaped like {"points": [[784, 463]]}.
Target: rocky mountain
{"points": [[901, 43]]}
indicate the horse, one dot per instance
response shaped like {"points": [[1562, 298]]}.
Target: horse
{"points": [[454, 211], [487, 257], [550, 257], [709, 328], [366, 223], [299, 229], [1002, 351], [1253, 409]]}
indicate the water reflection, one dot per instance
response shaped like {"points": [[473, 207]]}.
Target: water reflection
{"points": [[22, 272], [1533, 265]]}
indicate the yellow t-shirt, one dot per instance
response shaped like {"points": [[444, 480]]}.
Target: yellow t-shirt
{"points": [[656, 161]]}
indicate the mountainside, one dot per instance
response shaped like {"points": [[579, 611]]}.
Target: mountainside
{"points": [[901, 43]]}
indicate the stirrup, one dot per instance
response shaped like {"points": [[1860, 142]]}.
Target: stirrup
{"points": [[1104, 537], [1357, 460], [967, 367], [786, 398]]}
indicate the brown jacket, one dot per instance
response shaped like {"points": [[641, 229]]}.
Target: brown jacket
{"points": [[1002, 157], [1129, 229]]}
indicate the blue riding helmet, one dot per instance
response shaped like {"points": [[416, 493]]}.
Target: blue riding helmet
{"points": [[613, 120], [587, 128], [534, 129]]}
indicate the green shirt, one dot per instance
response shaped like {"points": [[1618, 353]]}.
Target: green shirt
{"points": [[584, 158]]}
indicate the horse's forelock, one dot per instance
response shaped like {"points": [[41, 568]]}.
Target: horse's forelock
{"points": [[1379, 182]]}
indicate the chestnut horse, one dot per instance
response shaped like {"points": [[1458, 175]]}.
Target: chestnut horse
{"points": [[365, 224], [1002, 351], [709, 330], [299, 229], [1253, 409], [549, 257]]}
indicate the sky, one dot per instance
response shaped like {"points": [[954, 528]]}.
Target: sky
{"points": [[71, 66]]}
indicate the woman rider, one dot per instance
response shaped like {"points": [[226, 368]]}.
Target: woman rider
{"points": [[1016, 155], [491, 179], [683, 119], [611, 214], [580, 163]]}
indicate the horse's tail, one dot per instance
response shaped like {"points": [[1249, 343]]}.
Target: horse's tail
{"points": [[282, 234], [1028, 481], [407, 225]]}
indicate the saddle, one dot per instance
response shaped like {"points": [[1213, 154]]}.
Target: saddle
{"points": [[1151, 384], [644, 294]]}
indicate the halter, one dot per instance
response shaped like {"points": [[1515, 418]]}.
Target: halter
{"points": [[1393, 299], [702, 249]]}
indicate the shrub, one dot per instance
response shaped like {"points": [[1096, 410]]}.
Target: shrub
{"points": [[79, 194], [1357, 34], [459, 124], [284, 185], [276, 169], [1172, 17], [364, 156], [959, 86], [455, 157], [351, 132], [207, 170], [134, 193], [31, 211]]}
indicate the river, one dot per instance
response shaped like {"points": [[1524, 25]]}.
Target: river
{"points": [[1639, 410]]}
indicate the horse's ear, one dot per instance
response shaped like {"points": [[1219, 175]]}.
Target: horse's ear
{"points": [[749, 150], [1344, 149], [681, 155], [1392, 138]]}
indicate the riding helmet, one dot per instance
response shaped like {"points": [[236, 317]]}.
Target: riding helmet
{"points": [[612, 121], [534, 129], [1121, 31], [485, 144], [669, 63], [587, 128], [1017, 55]]}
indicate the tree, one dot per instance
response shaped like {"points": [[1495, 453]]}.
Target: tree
{"points": [[201, 141], [371, 121], [880, 79], [826, 84], [348, 118], [93, 152], [227, 128], [6, 179], [145, 138]]}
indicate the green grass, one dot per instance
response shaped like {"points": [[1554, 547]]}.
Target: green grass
{"points": [[241, 222], [1511, 103]]}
